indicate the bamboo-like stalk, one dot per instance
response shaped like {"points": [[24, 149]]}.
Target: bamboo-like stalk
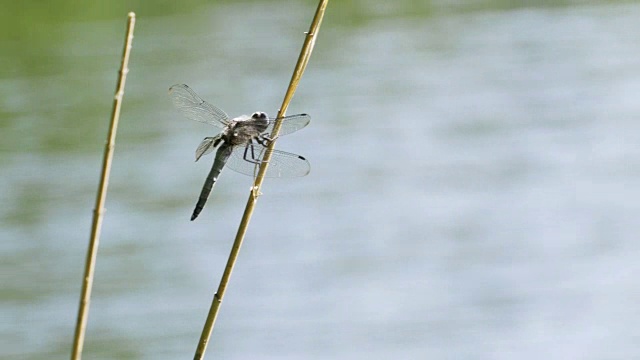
{"points": [[98, 212], [303, 59]]}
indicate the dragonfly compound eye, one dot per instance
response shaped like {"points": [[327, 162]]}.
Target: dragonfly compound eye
{"points": [[259, 115]]}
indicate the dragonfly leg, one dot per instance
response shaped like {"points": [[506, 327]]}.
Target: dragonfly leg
{"points": [[253, 154], [262, 140], [265, 139], [253, 159]]}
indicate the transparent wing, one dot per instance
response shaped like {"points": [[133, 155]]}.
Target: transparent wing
{"points": [[205, 147], [291, 123], [194, 108], [282, 164]]}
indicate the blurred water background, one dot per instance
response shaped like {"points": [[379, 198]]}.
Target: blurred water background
{"points": [[473, 194]]}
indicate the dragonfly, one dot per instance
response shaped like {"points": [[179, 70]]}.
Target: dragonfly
{"points": [[242, 142]]}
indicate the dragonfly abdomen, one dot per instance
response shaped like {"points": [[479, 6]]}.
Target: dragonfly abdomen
{"points": [[221, 158]]}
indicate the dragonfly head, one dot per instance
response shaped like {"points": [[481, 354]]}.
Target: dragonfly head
{"points": [[259, 115]]}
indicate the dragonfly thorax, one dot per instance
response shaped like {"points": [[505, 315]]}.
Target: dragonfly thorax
{"points": [[242, 130]]}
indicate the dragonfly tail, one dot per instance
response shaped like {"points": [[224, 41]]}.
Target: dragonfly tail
{"points": [[221, 158], [204, 194]]}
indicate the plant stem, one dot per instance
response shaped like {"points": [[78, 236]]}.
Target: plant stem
{"points": [[303, 59], [98, 212]]}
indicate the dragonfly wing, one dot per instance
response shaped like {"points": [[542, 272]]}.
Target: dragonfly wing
{"points": [[194, 108], [291, 123], [282, 164], [205, 147]]}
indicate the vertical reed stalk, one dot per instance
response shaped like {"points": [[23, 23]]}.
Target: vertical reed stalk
{"points": [[303, 59], [98, 212]]}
